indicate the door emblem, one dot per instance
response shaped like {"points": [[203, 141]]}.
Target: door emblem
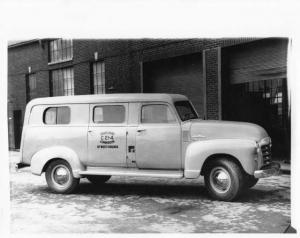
{"points": [[107, 137]]}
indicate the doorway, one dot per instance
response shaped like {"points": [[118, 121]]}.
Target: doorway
{"points": [[17, 127]]}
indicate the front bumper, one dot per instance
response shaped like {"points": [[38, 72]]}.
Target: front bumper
{"points": [[267, 170]]}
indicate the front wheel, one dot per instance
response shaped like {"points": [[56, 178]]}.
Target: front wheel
{"points": [[250, 181], [60, 178], [224, 180]]}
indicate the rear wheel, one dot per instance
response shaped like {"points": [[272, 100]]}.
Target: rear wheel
{"points": [[98, 179], [224, 179], [60, 178]]}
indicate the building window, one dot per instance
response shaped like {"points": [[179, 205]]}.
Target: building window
{"points": [[60, 50], [98, 78], [57, 115], [62, 82], [271, 92], [30, 86]]}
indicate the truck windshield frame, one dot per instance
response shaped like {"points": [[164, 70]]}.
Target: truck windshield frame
{"points": [[185, 110]]}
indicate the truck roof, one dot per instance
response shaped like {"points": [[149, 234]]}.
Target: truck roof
{"points": [[109, 98]]}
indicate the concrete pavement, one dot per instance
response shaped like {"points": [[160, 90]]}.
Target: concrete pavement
{"points": [[130, 205]]}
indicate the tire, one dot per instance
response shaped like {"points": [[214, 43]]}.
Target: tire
{"points": [[250, 181], [98, 179], [60, 178], [224, 180]]}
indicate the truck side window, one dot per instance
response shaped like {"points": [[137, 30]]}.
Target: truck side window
{"points": [[109, 114], [57, 115], [157, 114]]}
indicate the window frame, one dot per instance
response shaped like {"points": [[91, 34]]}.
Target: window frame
{"points": [[270, 89], [93, 73], [64, 49], [192, 106], [30, 93], [56, 110], [93, 106], [62, 81], [173, 112]]}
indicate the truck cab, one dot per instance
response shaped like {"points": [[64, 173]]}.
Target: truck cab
{"points": [[154, 135]]}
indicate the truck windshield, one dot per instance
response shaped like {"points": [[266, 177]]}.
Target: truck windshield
{"points": [[185, 110]]}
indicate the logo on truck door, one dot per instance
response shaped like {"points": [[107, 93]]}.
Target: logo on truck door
{"points": [[106, 139]]}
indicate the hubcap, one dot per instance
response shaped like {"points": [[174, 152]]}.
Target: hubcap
{"points": [[220, 179], [61, 175]]}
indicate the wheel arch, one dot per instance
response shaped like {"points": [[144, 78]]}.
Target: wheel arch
{"points": [[49, 162], [210, 159], [44, 157]]}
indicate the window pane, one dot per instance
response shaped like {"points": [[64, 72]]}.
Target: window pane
{"points": [[72, 81], [60, 50], [157, 114], [98, 77], [71, 48], [51, 50], [185, 110], [63, 115], [98, 115], [57, 115], [68, 53], [268, 95], [30, 87], [32, 82], [109, 114], [55, 45], [50, 116], [63, 82], [94, 68], [60, 83]]}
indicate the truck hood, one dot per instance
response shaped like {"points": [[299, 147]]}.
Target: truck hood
{"points": [[208, 129]]}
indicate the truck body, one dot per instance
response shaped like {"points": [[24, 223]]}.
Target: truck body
{"points": [[155, 135]]}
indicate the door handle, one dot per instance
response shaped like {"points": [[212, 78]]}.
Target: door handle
{"points": [[140, 130], [89, 131]]}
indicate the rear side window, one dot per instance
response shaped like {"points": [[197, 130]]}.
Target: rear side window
{"points": [[157, 114], [109, 114], [57, 115]]}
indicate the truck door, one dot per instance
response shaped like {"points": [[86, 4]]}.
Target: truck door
{"points": [[158, 138], [107, 134]]}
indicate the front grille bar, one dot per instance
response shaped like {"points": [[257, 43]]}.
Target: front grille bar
{"points": [[266, 153]]}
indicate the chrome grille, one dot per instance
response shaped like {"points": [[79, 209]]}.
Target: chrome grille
{"points": [[266, 153]]}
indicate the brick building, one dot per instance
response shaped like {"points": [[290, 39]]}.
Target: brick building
{"points": [[243, 79]]}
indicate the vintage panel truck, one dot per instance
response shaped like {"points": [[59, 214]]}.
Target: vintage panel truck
{"points": [[154, 135]]}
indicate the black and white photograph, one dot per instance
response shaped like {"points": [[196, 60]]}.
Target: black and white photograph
{"points": [[109, 132]]}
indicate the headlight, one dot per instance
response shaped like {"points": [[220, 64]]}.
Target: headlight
{"points": [[265, 141], [257, 148]]}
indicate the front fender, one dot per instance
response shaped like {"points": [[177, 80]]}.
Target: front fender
{"points": [[40, 158], [197, 152]]}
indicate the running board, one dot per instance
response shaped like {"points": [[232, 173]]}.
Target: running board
{"points": [[132, 172]]}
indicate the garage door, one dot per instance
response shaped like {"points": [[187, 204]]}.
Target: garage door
{"points": [[261, 60], [183, 75], [255, 79]]}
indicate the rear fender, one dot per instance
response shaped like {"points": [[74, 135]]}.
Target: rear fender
{"points": [[42, 157]]}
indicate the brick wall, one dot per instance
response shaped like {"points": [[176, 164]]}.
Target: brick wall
{"points": [[212, 84], [122, 66], [19, 59]]}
